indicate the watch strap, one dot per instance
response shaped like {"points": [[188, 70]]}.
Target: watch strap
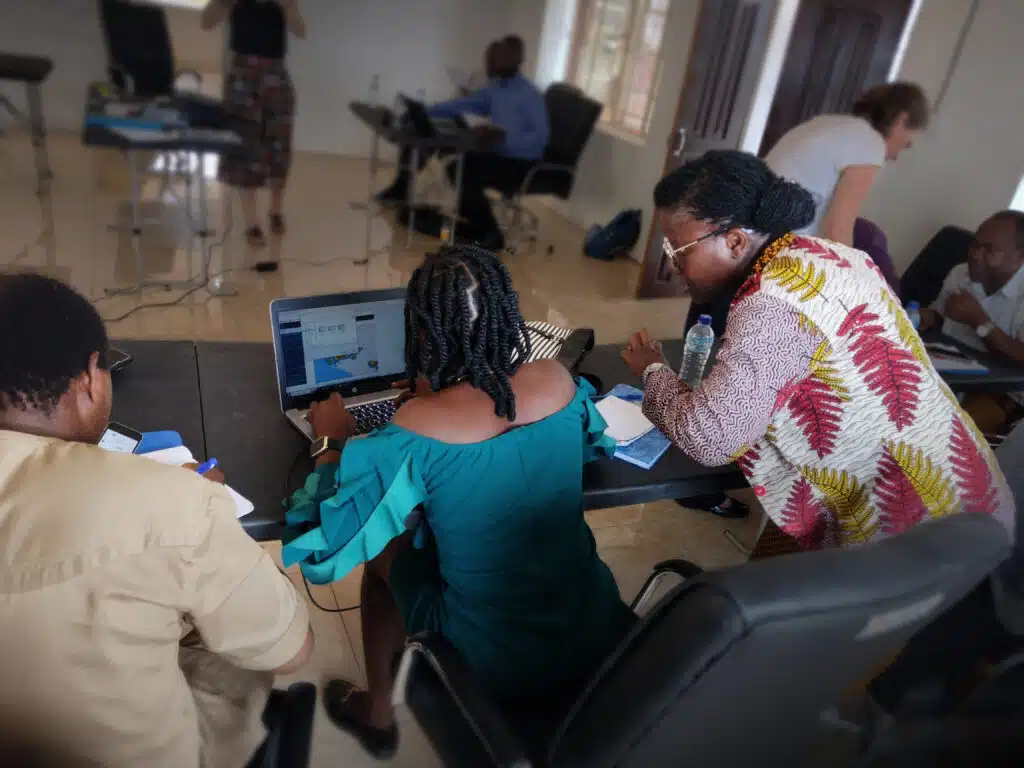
{"points": [[651, 369], [324, 444]]}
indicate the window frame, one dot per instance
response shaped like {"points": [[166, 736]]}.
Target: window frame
{"points": [[615, 113]]}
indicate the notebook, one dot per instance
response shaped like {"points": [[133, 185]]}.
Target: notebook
{"points": [[182, 455], [645, 451]]}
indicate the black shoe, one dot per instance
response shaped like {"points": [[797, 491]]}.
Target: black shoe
{"points": [[717, 504], [396, 194], [379, 742]]}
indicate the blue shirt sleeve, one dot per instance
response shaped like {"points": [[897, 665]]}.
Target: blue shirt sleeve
{"points": [[475, 103]]}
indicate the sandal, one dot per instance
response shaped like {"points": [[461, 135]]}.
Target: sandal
{"points": [[379, 742], [255, 238], [277, 224]]}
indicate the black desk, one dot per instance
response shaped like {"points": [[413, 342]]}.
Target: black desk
{"points": [[222, 398], [32, 71], [160, 390], [1002, 376], [257, 448], [383, 124]]}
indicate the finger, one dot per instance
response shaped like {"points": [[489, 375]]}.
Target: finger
{"points": [[645, 338], [403, 384], [656, 346], [335, 398]]}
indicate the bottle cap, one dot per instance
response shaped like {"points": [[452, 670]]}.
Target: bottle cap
{"points": [[705, 319], [913, 305]]}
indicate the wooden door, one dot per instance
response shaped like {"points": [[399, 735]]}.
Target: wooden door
{"points": [[838, 49], [728, 47]]}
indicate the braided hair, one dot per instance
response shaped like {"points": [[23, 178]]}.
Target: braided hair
{"points": [[736, 189], [462, 322]]}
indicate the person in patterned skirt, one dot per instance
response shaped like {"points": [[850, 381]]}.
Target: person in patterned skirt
{"points": [[822, 391], [258, 91]]}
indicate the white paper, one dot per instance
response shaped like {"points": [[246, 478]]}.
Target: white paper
{"points": [[626, 422], [182, 455]]}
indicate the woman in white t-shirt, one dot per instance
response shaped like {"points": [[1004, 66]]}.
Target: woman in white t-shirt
{"points": [[838, 157]]}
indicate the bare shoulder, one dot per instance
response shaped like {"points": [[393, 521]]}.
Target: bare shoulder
{"points": [[542, 388]]}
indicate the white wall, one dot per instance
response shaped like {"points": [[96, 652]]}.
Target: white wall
{"points": [[970, 161], [407, 43]]}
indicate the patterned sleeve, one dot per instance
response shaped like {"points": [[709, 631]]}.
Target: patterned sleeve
{"points": [[762, 350]]}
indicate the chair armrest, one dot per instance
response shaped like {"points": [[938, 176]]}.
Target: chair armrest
{"points": [[684, 569], [466, 696], [525, 188]]}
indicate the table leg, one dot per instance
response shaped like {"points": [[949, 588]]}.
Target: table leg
{"points": [[460, 160], [414, 162], [38, 129]]}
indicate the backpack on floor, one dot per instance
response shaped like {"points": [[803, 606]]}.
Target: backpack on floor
{"points": [[617, 236]]}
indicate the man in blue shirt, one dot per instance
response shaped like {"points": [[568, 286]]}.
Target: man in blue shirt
{"points": [[520, 130]]}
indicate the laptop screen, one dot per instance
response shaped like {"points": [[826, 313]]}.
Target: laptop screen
{"points": [[341, 344]]}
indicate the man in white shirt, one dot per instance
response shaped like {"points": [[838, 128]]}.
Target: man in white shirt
{"points": [[981, 303]]}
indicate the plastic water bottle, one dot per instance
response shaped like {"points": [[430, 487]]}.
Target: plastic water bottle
{"points": [[696, 351], [914, 313]]}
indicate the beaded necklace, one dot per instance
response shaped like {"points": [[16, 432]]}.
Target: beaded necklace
{"points": [[772, 250]]}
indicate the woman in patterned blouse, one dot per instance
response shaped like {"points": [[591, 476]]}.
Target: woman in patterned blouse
{"points": [[822, 392]]}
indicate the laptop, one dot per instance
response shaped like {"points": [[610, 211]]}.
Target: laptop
{"points": [[350, 343]]}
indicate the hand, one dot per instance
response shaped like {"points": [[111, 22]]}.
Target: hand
{"points": [[964, 308], [641, 352], [214, 475], [929, 319], [330, 418]]}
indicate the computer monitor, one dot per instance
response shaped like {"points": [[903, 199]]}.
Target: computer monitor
{"points": [[140, 57]]}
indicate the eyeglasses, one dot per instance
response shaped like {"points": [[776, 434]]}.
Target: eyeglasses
{"points": [[671, 253]]}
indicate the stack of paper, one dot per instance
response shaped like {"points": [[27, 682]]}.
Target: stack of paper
{"points": [[649, 444], [182, 455], [626, 422]]}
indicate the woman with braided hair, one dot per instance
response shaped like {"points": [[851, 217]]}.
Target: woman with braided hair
{"points": [[468, 508], [822, 391]]}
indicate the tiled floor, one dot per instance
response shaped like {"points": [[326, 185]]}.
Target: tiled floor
{"points": [[71, 239]]}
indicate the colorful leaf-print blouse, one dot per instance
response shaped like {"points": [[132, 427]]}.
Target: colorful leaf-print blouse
{"points": [[825, 397]]}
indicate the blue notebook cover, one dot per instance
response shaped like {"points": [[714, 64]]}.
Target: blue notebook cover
{"points": [[645, 451]]}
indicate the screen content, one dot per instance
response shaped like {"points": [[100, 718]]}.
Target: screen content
{"points": [[331, 345], [115, 441]]}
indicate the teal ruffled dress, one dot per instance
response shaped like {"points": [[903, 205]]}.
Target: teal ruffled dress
{"points": [[507, 568]]}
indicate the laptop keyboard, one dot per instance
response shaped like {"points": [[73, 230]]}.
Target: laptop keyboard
{"points": [[373, 415]]}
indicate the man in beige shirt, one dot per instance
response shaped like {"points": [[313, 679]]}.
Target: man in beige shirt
{"points": [[139, 624]]}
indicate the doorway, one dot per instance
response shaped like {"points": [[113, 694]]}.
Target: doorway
{"points": [[838, 49], [729, 42]]}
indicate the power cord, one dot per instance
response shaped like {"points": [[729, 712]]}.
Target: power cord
{"points": [[303, 453]]}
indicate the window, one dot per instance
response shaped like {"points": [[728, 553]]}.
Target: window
{"points": [[616, 57]]}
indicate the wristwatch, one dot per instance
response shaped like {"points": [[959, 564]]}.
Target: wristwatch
{"points": [[322, 445], [984, 329], [651, 369]]}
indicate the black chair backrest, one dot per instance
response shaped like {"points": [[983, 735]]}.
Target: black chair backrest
{"points": [[572, 116], [924, 277], [138, 45], [734, 667]]}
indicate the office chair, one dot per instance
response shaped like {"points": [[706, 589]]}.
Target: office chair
{"points": [[572, 116], [289, 720], [923, 279], [732, 667]]}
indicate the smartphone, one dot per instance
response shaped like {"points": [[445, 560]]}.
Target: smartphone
{"points": [[118, 359], [120, 439]]}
